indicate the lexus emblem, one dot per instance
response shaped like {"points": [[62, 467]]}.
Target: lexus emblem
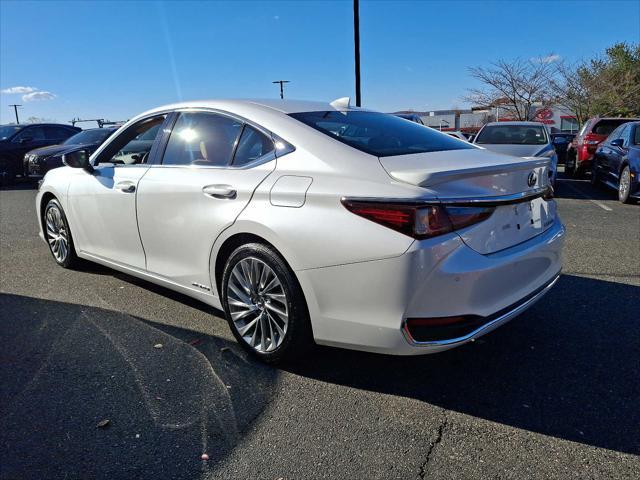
{"points": [[532, 179]]}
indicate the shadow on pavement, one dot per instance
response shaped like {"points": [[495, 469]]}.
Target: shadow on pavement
{"points": [[568, 368], [580, 189], [66, 367]]}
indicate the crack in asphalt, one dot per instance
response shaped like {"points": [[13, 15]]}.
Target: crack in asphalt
{"points": [[441, 428]]}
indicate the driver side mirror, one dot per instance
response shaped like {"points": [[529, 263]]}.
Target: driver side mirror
{"points": [[78, 159], [618, 142]]}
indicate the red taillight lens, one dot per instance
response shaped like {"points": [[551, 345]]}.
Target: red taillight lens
{"points": [[418, 221]]}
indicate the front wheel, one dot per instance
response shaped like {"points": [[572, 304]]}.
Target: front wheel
{"points": [[624, 185], [264, 304], [58, 235]]}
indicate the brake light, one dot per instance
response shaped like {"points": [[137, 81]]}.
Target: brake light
{"points": [[418, 221], [591, 139]]}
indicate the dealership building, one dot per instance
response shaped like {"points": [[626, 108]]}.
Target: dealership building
{"points": [[557, 118]]}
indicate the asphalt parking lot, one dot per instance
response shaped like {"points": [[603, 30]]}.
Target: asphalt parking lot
{"points": [[553, 394]]}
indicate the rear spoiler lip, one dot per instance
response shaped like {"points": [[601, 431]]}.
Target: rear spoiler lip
{"points": [[494, 201]]}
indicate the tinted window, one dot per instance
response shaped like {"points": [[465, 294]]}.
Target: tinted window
{"points": [[34, 133], [615, 133], [134, 144], [203, 139], [57, 133], [512, 135], [605, 127], [379, 134], [7, 130], [97, 135], [636, 138], [253, 145]]}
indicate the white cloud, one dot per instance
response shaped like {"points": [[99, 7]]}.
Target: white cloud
{"points": [[29, 97], [547, 59], [11, 90]]}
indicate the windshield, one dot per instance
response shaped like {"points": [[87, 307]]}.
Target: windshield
{"points": [[379, 134], [513, 135], [97, 135], [7, 130]]}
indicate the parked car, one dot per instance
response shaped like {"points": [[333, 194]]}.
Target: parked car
{"points": [[410, 116], [368, 232], [16, 140], [39, 161], [585, 144], [616, 162], [521, 139], [561, 142]]}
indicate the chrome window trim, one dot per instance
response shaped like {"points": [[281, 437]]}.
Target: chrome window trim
{"points": [[494, 201], [496, 322]]}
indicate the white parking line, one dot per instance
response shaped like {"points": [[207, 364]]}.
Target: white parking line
{"points": [[595, 202]]}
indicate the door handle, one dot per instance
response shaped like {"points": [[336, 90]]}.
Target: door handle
{"points": [[127, 187], [219, 191]]}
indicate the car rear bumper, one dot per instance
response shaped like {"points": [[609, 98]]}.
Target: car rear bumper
{"points": [[364, 306]]}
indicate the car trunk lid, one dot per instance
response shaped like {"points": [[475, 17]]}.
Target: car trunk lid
{"points": [[514, 186]]}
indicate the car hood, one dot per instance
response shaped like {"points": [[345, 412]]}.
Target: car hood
{"points": [[58, 149], [514, 149]]}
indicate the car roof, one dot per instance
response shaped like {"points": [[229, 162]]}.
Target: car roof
{"points": [[283, 106], [524, 123]]}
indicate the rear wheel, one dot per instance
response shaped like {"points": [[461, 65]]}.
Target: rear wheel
{"points": [[624, 185], [264, 304], [58, 235]]}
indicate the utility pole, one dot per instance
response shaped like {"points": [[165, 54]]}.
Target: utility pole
{"points": [[281, 82], [15, 109], [356, 45]]}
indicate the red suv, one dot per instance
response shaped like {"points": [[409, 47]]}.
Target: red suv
{"points": [[584, 145]]}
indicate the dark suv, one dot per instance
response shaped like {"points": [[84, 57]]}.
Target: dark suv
{"points": [[16, 140]]}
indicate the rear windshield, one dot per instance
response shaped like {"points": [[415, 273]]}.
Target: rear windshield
{"points": [[379, 134], [512, 135], [605, 127]]}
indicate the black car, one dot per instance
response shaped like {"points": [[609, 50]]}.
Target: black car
{"points": [[616, 162], [39, 161], [16, 140], [561, 142]]}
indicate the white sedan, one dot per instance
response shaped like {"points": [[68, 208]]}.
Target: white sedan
{"points": [[312, 222]]}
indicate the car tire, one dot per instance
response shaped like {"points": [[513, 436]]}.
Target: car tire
{"points": [[58, 235], [264, 304], [624, 185], [7, 171], [594, 177]]}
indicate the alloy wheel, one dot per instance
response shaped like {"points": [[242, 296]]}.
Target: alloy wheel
{"points": [[625, 184], [57, 233], [257, 304]]}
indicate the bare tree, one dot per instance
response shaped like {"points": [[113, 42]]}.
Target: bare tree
{"points": [[517, 87], [569, 87]]}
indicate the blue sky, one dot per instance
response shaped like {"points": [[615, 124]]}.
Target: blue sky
{"points": [[115, 59]]}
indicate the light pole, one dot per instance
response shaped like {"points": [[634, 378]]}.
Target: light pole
{"points": [[356, 46], [15, 109], [281, 82]]}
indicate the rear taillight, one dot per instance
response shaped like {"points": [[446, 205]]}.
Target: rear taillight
{"points": [[590, 139], [418, 221]]}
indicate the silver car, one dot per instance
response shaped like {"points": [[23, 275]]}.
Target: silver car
{"points": [[520, 139]]}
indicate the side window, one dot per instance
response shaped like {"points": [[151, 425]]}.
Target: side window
{"points": [[253, 145], [200, 138], [636, 138], [34, 134], [615, 134], [57, 133], [625, 133], [134, 144]]}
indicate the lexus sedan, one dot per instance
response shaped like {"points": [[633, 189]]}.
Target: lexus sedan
{"points": [[522, 139], [313, 222], [39, 161]]}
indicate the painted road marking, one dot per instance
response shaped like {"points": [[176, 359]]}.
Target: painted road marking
{"points": [[595, 202]]}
